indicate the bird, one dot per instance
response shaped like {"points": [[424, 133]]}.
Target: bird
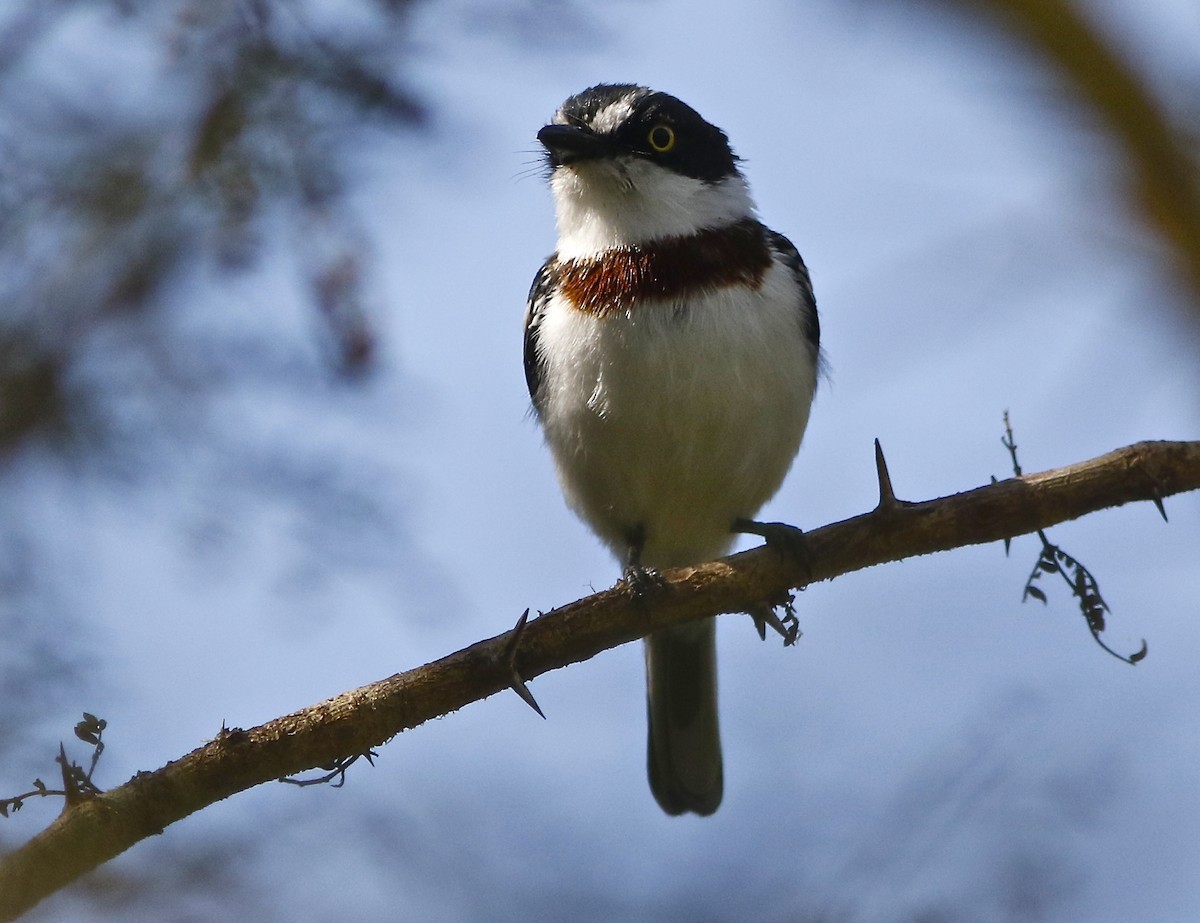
{"points": [[671, 352]]}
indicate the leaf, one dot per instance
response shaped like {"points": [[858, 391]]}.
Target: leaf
{"points": [[1034, 592], [1140, 655]]}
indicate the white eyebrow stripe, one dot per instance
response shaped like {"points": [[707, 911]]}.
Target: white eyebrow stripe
{"points": [[611, 116]]}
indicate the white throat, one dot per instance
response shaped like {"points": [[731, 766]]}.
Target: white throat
{"points": [[604, 204]]}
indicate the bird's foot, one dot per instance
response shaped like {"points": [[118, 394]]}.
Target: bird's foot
{"points": [[788, 540], [642, 581], [787, 627]]}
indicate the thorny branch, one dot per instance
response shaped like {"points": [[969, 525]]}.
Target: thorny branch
{"points": [[1083, 585], [332, 733]]}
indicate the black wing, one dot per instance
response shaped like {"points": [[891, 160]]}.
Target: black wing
{"points": [[535, 309], [809, 321]]}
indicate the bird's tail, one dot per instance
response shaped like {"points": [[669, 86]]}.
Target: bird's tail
{"points": [[684, 752]]}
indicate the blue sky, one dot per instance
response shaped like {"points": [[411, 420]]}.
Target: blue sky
{"points": [[931, 749]]}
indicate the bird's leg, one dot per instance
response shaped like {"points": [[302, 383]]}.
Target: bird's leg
{"points": [[788, 541], [641, 580]]}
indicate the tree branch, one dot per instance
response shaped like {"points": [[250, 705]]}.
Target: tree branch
{"points": [[1159, 154], [94, 830]]}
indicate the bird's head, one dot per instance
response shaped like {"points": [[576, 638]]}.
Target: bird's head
{"points": [[629, 165]]}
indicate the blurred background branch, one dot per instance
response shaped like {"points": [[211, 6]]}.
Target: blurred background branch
{"points": [[113, 193], [1159, 147]]}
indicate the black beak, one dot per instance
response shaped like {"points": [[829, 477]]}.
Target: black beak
{"points": [[569, 144]]}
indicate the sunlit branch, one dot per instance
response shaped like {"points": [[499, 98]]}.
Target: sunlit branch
{"points": [[330, 734]]}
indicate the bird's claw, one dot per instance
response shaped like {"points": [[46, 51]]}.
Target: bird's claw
{"points": [[787, 540], [642, 581], [787, 627]]}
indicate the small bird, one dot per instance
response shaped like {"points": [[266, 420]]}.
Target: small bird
{"points": [[671, 354]]}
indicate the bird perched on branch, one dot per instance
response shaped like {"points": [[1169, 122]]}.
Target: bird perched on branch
{"points": [[671, 353]]}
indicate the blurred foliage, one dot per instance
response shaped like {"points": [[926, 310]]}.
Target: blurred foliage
{"points": [[77, 784], [179, 130], [1156, 135], [144, 146]]}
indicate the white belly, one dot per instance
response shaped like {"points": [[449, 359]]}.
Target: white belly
{"points": [[677, 420]]}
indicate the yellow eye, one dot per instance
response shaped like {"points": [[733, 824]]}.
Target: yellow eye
{"points": [[661, 138]]}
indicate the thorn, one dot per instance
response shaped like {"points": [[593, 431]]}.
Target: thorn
{"points": [[515, 682], [518, 686], [1157, 498], [887, 497]]}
